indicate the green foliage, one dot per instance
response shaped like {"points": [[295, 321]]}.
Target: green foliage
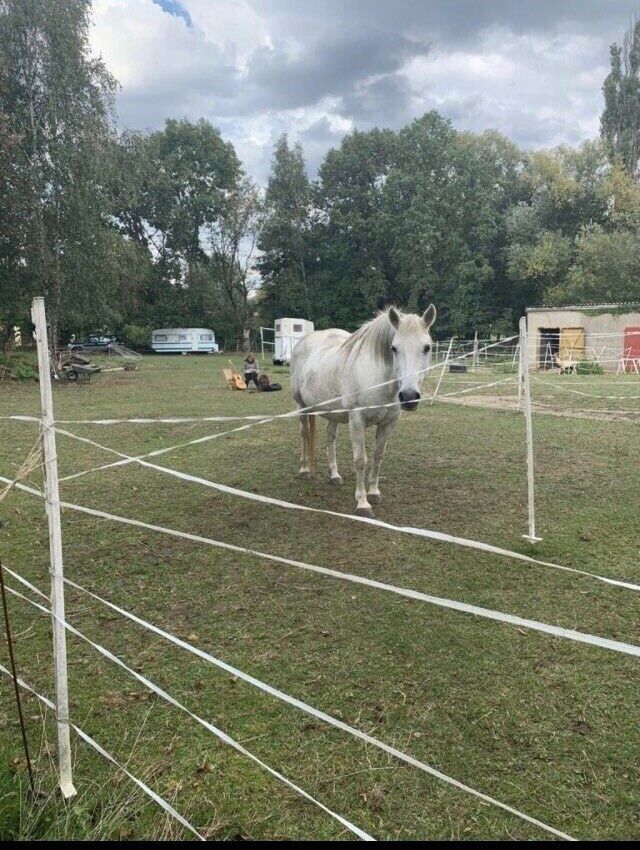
{"points": [[589, 367], [19, 367], [137, 336], [620, 120], [57, 100], [285, 235], [151, 229]]}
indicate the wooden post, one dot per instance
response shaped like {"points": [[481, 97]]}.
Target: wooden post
{"points": [[526, 392], [444, 368], [475, 351], [52, 497]]}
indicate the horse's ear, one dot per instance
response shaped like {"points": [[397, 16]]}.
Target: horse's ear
{"points": [[394, 316], [429, 316]]}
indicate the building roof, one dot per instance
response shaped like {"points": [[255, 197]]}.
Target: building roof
{"points": [[633, 305]]}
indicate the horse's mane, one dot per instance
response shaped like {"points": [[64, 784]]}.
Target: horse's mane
{"points": [[375, 335]]}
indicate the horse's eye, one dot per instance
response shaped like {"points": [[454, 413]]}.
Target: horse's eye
{"points": [[394, 349], [427, 349]]}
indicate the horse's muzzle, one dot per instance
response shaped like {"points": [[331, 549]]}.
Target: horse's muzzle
{"points": [[409, 400]]}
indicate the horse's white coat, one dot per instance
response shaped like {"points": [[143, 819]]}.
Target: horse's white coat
{"points": [[334, 364]]}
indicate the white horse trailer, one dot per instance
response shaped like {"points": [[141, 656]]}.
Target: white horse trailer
{"points": [[184, 341], [287, 334]]}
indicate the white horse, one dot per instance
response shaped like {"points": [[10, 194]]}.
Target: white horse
{"points": [[392, 350]]}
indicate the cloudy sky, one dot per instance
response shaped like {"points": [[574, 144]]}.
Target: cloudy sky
{"points": [[320, 68]]}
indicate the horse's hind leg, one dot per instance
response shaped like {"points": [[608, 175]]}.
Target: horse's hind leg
{"points": [[332, 431], [382, 434], [305, 458], [357, 431]]}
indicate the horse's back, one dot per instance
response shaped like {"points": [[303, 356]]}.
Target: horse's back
{"points": [[315, 367]]}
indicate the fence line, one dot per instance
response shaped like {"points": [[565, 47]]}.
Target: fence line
{"points": [[296, 703], [223, 736], [463, 607], [439, 536], [167, 807], [588, 395]]}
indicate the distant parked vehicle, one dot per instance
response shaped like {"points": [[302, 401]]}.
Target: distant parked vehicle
{"points": [[184, 341], [288, 332], [93, 344]]}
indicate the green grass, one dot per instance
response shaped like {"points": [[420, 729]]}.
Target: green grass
{"points": [[545, 725]]}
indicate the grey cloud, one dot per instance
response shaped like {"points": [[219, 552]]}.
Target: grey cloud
{"points": [[316, 141], [323, 68], [376, 63], [383, 102], [455, 21]]}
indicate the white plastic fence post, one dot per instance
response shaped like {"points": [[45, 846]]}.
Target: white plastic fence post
{"points": [[475, 351], [444, 368], [52, 502], [519, 353], [526, 388]]}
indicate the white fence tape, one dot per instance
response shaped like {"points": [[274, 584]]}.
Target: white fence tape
{"points": [[227, 739], [463, 607], [296, 703], [167, 807], [588, 395], [418, 532]]}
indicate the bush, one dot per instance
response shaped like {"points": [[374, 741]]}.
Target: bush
{"points": [[19, 367], [137, 336], [588, 367], [508, 368]]}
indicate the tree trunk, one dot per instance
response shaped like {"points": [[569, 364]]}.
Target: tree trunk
{"points": [[246, 339]]}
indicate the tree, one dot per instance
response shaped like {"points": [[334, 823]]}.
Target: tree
{"points": [[620, 119], [352, 269], [230, 244], [171, 190], [284, 236], [58, 101]]}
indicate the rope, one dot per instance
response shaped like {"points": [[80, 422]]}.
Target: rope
{"points": [[464, 607], [94, 744], [32, 461], [14, 675], [589, 395], [227, 739], [286, 698], [418, 532]]}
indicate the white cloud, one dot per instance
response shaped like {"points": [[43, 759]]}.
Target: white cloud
{"points": [[257, 68]]}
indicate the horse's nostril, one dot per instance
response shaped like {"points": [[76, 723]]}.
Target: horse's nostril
{"points": [[401, 396]]}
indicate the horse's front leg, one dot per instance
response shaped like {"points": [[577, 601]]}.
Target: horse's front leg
{"points": [[383, 433], [357, 432]]}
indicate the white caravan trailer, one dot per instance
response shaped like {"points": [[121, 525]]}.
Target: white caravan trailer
{"points": [[287, 334], [183, 341]]}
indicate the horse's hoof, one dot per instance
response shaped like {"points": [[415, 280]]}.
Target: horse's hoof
{"points": [[304, 474], [374, 498], [365, 512], [336, 481]]}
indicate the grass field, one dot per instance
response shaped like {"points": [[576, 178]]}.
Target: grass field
{"points": [[546, 725]]}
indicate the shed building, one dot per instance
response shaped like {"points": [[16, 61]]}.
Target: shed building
{"points": [[608, 334]]}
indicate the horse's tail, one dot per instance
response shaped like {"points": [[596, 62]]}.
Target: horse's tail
{"points": [[312, 440]]}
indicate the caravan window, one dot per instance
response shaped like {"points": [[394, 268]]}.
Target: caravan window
{"points": [[277, 326], [160, 337], [297, 329], [206, 337], [182, 338]]}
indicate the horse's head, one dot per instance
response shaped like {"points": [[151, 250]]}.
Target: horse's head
{"points": [[411, 348]]}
